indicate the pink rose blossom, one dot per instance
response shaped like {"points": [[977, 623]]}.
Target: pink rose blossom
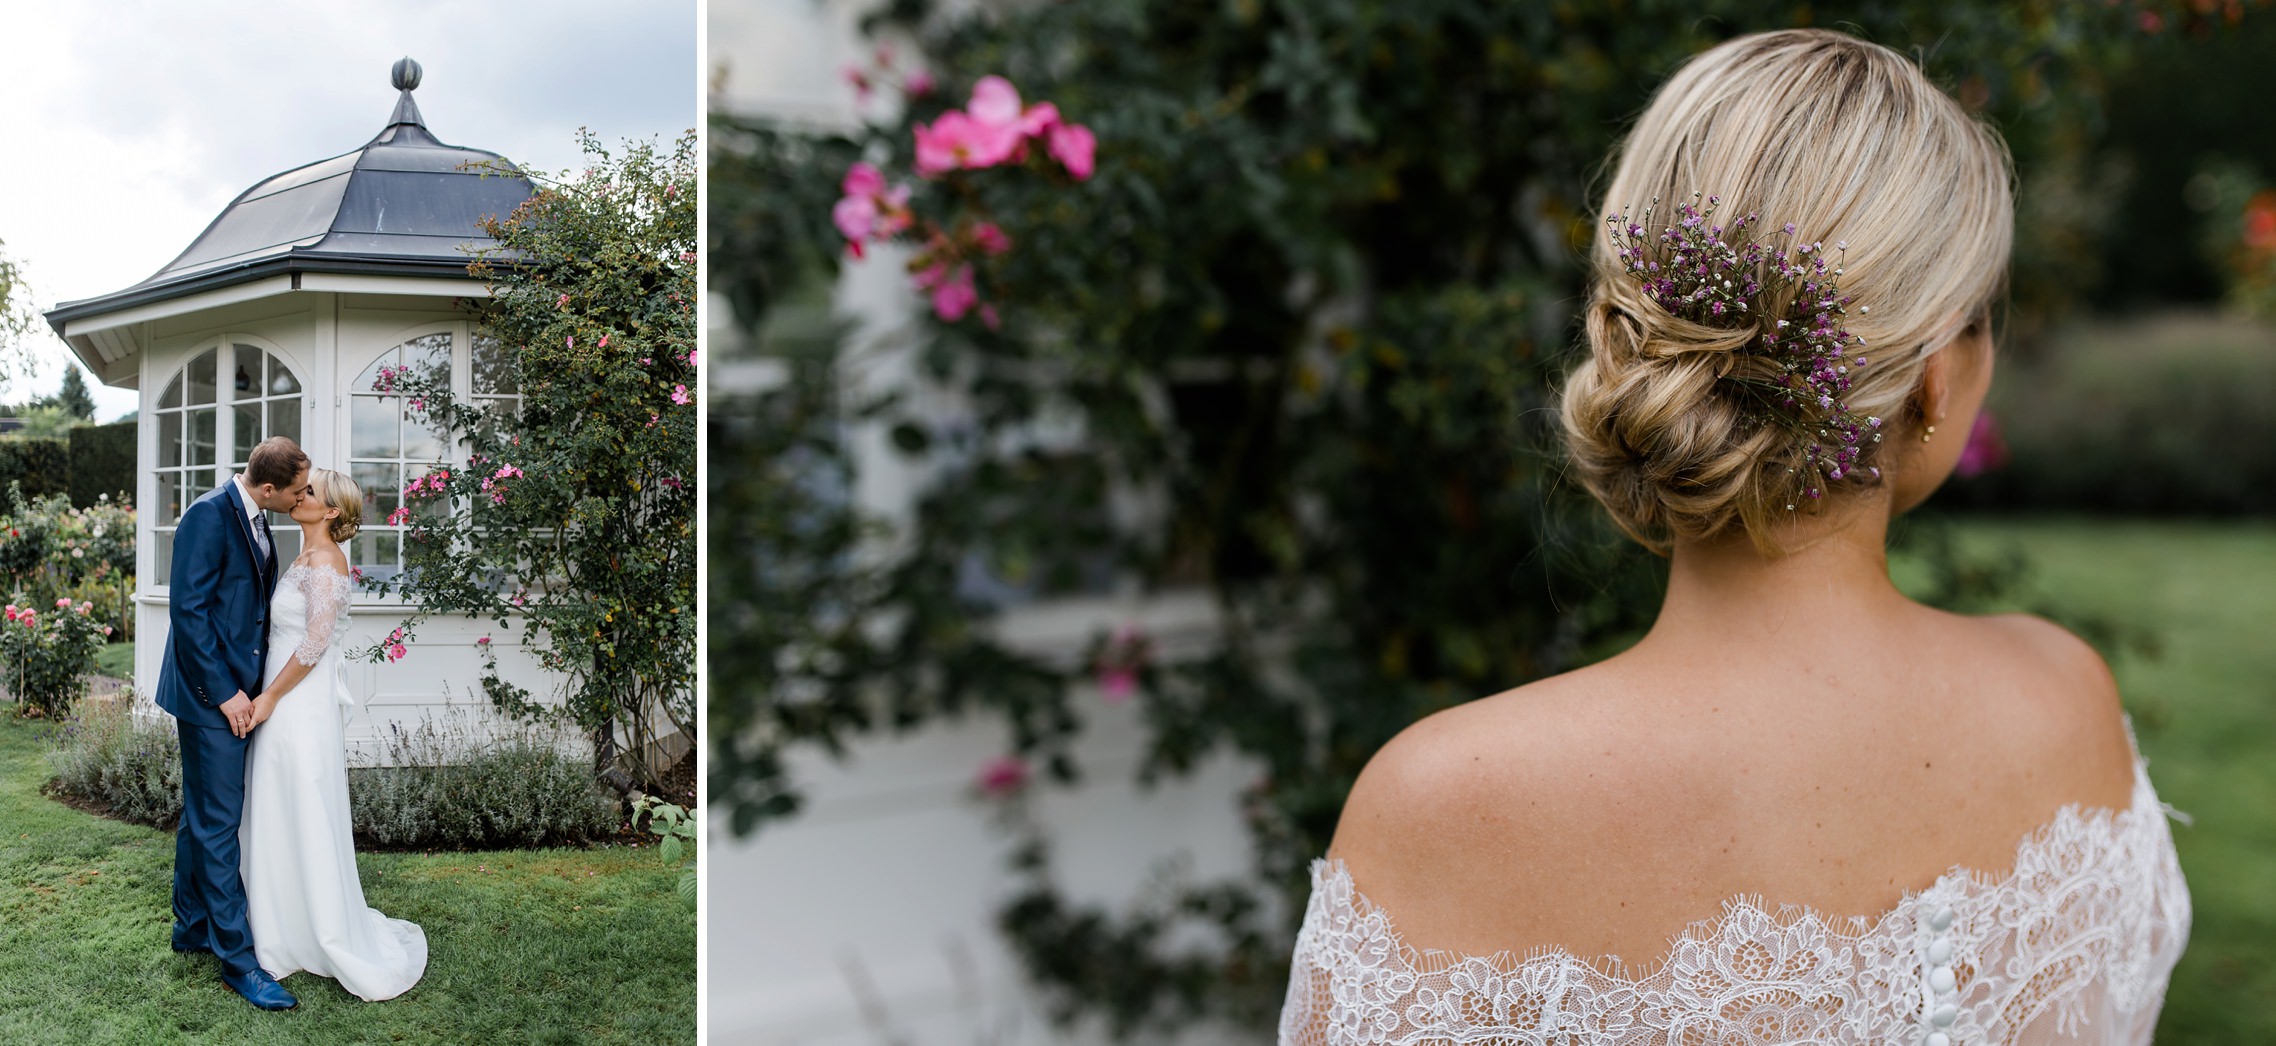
{"points": [[994, 101], [863, 179], [919, 84], [990, 238], [957, 140], [604, 341], [644, 360], [1117, 684], [1039, 118], [952, 291], [1002, 777], [401, 513], [396, 652], [1074, 146], [63, 603], [563, 303], [680, 395]]}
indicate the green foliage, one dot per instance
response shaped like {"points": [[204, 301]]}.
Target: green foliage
{"points": [[576, 514], [41, 466], [133, 769], [446, 791], [19, 321], [1295, 344], [50, 550], [449, 791], [47, 652], [102, 463], [74, 398], [675, 829]]}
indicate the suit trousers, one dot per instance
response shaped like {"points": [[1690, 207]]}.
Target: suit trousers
{"points": [[209, 895]]}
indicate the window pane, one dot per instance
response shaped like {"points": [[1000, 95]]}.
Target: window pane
{"points": [[201, 437], [163, 555], [245, 382], [169, 498], [201, 378], [287, 537], [284, 418], [371, 422], [383, 490], [173, 394], [375, 554], [493, 368], [429, 356], [370, 376], [420, 437], [248, 433], [281, 381], [170, 436]]}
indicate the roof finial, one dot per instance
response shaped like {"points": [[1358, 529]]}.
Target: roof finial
{"points": [[406, 79]]}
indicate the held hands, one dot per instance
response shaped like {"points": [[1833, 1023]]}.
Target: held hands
{"points": [[239, 711], [264, 706]]}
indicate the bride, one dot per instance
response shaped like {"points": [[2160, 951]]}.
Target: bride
{"points": [[303, 899], [1812, 809]]}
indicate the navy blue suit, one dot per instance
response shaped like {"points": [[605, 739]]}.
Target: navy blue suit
{"points": [[215, 647]]}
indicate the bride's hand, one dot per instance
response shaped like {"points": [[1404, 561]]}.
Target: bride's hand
{"points": [[264, 706]]}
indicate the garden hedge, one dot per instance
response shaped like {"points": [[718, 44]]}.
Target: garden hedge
{"points": [[101, 461]]}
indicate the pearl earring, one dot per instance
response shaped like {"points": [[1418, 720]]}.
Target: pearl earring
{"points": [[1931, 431]]}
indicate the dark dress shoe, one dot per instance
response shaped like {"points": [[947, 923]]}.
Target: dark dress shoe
{"points": [[261, 990]]}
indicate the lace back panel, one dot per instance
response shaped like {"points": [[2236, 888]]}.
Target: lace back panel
{"points": [[2074, 945]]}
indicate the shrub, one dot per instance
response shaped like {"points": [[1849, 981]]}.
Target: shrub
{"points": [[46, 655], [451, 792], [133, 767], [43, 466], [102, 463], [2166, 415]]}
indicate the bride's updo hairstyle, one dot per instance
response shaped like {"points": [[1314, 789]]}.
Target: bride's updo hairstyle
{"points": [[336, 490], [1848, 142]]}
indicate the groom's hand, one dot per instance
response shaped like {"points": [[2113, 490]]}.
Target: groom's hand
{"points": [[239, 711]]}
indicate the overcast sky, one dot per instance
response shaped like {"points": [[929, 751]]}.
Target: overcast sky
{"points": [[130, 124]]}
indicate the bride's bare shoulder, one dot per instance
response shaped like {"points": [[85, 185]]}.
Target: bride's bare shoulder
{"points": [[1516, 765]]}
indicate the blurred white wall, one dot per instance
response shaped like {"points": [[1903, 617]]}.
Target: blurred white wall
{"points": [[868, 919]]}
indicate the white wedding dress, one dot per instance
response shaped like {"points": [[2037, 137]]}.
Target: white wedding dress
{"points": [[303, 899], [2074, 945]]}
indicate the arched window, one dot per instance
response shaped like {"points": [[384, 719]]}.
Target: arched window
{"points": [[231, 395], [391, 442]]}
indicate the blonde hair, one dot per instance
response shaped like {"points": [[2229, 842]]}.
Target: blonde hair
{"points": [[336, 490], [1846, 140]]}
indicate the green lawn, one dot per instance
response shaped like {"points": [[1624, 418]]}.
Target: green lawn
{"points": [[542, 946], [116, 660], [2205, 711]]}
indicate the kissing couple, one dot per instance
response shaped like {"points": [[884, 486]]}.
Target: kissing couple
{"points": [[264, 860]]}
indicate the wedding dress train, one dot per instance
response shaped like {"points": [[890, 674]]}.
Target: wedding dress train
{"points": [[305, 903], [2074, 945]]}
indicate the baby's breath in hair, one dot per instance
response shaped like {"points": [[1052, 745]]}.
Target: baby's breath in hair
{"points": [[1716, 276]]}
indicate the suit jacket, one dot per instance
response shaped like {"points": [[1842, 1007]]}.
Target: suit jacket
{"points": [[219, 610]]}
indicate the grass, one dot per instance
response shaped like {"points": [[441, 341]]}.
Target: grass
{"points": [[540, 946], [2205, 713], [116, 660]]}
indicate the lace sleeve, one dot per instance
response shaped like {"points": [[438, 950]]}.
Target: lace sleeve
{"points": [[327, 592]]}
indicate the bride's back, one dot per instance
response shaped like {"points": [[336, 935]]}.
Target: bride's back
{"points": [[1606, 810], [1793, 808]]}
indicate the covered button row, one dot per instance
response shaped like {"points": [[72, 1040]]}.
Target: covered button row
{"points": [[1942, 984]]}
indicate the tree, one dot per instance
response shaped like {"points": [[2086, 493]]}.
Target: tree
{"points": [[75, 400], [572, 516]]}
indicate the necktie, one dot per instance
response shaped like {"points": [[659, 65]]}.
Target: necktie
{"points": [[261, 527]]}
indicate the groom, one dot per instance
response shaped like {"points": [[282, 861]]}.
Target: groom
{"points": [[225, 564]]}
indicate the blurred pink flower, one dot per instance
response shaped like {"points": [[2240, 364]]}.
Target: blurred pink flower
{"points": [[1002, 777], [919, 84], [957, 140], [1038, 118], [952, 290], [989, 237], [1117, 684], [680, 395], [1074, 146], [1985, 450], [994, 101]]}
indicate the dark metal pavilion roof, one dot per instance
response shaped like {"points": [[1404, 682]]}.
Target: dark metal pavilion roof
{"points": [[405, 204]]}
